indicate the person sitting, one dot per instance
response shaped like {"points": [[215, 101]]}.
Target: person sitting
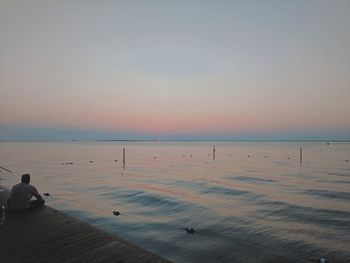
{"points": [[21, 195]]}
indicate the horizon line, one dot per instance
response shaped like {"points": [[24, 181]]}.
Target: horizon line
{"points": [[178, 140]]}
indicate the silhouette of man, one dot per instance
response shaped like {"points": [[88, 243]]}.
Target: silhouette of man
{"points": [[21, 195]]}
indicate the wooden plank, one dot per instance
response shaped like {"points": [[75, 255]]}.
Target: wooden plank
{"points": [[47, 235]]}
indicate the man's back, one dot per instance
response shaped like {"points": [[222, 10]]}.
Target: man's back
{"points": [[21, 194]]}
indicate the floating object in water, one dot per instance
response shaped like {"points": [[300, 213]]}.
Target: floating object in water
{"points": [[154, 157], [190, 230], [346, 161], [90, 161], [116, 160], [323, 260], [320, 260], [72, 163], [46, 194], [328, 143], [191, 156], [116, 213], [248, 156], [288, 158]]}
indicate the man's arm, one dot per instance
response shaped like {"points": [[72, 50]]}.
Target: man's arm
{"points": [[36, 194]]}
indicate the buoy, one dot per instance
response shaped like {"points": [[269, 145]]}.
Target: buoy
{"points": [[116, 213]]}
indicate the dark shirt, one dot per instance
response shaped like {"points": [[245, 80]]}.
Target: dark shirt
{"points": [[21, 194]]}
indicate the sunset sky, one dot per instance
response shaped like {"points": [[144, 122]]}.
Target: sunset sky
{"points": [[174, 69]]}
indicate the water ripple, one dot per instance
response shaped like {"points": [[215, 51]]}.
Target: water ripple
{"points": [[277, 210], [253, 180], [329, 194]]}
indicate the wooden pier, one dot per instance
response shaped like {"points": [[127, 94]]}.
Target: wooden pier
{"points": [[47, 235]]}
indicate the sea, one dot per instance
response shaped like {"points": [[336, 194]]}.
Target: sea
{"points": [[246, 201]]}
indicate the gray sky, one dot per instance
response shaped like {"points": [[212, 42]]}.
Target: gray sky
{"points": [[176, 67]]}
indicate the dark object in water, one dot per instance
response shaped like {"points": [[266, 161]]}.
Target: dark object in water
{"points": [[248, 156], [320, 260], [154, 157], [328, 143], [288, 158], [190, 230], [346, 161], [116, 160], [46, 194], [90, 161], [116, 213]]}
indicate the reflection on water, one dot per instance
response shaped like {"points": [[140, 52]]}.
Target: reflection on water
{"points": [[261, 208]]}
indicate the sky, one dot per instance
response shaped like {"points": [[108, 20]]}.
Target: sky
{"points": [[174, 69]]}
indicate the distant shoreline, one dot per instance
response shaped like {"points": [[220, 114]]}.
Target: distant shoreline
{"points": [[161, 140]]}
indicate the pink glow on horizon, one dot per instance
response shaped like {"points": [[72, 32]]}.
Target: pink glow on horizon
{"points": [[139, 68]]}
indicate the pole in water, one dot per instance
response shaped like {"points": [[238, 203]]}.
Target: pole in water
{"points": [[301, 155], [7, 170], [124, 157], [214, 152]]}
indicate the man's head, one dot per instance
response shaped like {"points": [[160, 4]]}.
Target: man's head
{"points": [[25, 178]]}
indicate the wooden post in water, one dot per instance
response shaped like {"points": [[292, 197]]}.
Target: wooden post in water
{"points": [[214, 152], [301, 155], [124, 157]]}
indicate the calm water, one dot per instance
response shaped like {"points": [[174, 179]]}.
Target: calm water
{"points": [[262, 208]]}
